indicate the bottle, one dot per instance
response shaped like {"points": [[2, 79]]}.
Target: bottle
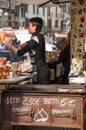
{"points": [[19, 72], [10, 73]]}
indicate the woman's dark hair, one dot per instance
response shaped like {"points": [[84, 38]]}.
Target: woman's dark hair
{"points": [[38, 22]]}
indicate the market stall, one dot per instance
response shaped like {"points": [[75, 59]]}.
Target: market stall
{"points": [[54, 105], [78, 32]]}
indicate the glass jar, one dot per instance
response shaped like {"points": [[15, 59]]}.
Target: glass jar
{"points": [[5, 72]]}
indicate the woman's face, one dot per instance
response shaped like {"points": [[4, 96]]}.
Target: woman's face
{"points": [[31, 28]]}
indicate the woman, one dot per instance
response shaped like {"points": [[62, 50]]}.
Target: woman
{"points": [[37, 45], [64, 58]]}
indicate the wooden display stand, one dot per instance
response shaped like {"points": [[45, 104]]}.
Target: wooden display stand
{"points": [[45, 105]]}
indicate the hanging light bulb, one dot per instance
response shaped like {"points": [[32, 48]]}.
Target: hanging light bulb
{"points": [[5, 13], [1, 11]]}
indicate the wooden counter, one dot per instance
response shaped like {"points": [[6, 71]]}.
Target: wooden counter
{"points": [[45, 105]]}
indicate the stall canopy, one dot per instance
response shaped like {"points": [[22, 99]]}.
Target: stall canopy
{"points": [[43, 2]]}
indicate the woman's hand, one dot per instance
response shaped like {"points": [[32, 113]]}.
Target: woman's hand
{"points": [[7, 42], [21, 45]]}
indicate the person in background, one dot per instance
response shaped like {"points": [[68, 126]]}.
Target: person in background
{"points": [[36, 45], [64, 58]]}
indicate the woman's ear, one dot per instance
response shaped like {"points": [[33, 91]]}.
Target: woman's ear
{"points": [[35, 27]]}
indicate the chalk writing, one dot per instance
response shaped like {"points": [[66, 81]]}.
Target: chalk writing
{"points": [[20, 109], [41, 115], [61, 111], [72, 103], [29, 101], [12, 100], [60, 102]]}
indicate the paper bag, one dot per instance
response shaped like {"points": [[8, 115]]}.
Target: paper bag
{"points": [[26, 66]]}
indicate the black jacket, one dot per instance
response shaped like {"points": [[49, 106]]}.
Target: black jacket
{"points": [[64, 57], [37, 44]]}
